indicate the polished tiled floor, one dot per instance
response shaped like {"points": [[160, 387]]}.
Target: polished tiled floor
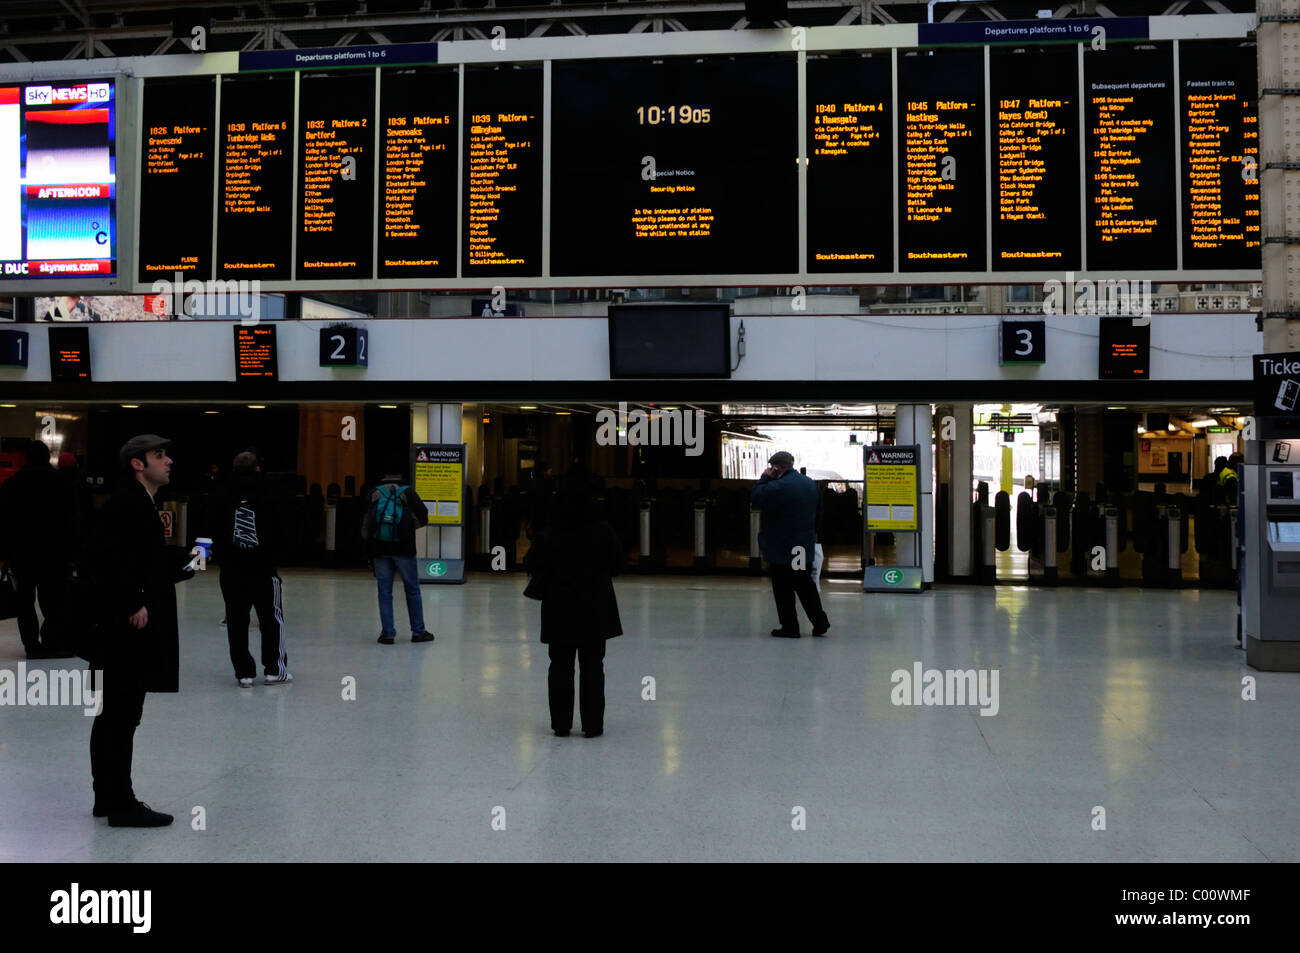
{"points": [[1129, 700]]}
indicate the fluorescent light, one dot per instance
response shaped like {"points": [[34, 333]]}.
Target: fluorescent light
{"points": [[212, 411], [564, 413], [1203, 422], [527, 406], [130, 406], [8, 405], [257, 406], [385, 406]]}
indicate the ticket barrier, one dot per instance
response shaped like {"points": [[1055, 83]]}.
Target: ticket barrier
{"points": [[1270, 578]]}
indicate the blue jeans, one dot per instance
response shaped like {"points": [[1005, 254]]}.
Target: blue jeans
{"points": [[385, 567]]}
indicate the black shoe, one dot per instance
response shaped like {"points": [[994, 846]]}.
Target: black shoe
{"points": [[561, 734], [821, 630], [783, 634], [139, 815], [37, 653], [422, 637], [593, 734], [99, 810], [386, 640]]}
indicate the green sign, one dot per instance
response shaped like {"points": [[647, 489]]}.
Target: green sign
{"points": [[1220, 429], [436, 569], [892, 577]]}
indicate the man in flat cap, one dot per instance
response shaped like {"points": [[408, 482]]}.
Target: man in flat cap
{"points": [[138, 643], [791, 506]]}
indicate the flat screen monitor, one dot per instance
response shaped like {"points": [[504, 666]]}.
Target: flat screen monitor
{"points": [[670, 341]]}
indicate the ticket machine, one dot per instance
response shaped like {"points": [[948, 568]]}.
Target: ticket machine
{"points": [[1270, 578]]}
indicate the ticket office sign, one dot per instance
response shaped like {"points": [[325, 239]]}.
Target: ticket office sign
{"points": [[891, 494], [438, 471]]}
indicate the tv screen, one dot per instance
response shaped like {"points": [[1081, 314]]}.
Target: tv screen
{"points": [[670, 340]]}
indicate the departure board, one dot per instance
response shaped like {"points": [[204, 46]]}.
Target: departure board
{"points": [[418, 161], [176, 169], [1034, 97], [255, 353], [336, 175], [675, 167], [1220, 155], [941, 164], [503, 172], [850, 110], [254, 213], [1129, 146]]}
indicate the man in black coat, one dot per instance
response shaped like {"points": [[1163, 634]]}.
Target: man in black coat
{"points": [[791, 508], [138, 643], [572, 564], [36, 542]]}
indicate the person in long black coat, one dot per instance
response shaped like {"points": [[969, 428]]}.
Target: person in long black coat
{"points": [[572, 565], [137, 641]]}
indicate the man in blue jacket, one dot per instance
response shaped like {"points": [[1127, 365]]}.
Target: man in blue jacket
{"points": [[791, 505]]}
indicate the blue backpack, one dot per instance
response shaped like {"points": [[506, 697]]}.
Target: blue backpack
{"points": [[390, 513]]}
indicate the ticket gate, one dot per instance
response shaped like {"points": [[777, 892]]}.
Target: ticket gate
{"points": [[1270, 577]]}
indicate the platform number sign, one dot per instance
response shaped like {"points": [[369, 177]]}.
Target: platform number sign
{"points": [[344, 347], [13, 348], [1023, 342]]}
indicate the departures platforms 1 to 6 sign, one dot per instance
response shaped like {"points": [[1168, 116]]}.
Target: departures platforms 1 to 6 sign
{"points": [[675, 167]]}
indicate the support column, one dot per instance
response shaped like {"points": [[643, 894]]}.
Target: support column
{"points": [[955, 466], [1278, 45], [438, 423], [915, 424]]}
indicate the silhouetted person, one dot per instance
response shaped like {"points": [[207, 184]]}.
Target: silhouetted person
{"points": [[572, 564], [790, 504], [37, 543], [137, 646]]}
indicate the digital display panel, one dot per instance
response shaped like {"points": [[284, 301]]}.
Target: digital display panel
{"points": [[255, 356], [1129, 145], [670, 341], [69, 354], [1220, 155], [336, 175], [941, 165], [418, 161], [690, 171], [850, 115], [177, 165], [1035, 130], [254, 212], [503, 172], [1123, 349], [58, 180]]}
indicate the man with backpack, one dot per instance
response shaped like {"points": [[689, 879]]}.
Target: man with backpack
{"points": [[389, 532], [244, 543]]}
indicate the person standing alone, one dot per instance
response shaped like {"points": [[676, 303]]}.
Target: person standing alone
{"points": [[244, 546], [790, 504], [389, 531]]}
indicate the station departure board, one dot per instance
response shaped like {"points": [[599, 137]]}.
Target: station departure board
{"points": [[176, 168], [850, 117], [255, 353], [255, 200], [1035, 132], [336, 175], [418, 160], [1129, 146], [502, 232], [1220, 155], [670, 183], [942, 207]]}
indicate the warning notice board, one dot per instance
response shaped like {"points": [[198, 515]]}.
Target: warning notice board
{"points": [[891, 493], [438, 471]]}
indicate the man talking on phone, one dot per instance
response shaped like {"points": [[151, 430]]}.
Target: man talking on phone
{"points": [[790, 504], [137, 644]]}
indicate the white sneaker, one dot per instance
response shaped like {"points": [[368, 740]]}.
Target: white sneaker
{"points": [[245, 683], [280, 679]]}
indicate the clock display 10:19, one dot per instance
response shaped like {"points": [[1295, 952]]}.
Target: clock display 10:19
{"points": [[684, 114]]}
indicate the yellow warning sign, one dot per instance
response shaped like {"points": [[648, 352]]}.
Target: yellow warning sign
{"points": [[890, 482], [439, 475]]}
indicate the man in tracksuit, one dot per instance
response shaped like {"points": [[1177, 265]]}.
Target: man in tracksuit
{"points": [[244, 546]]}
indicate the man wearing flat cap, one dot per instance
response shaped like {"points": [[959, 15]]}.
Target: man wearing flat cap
{"points": [[137, 645], [791, 506]]}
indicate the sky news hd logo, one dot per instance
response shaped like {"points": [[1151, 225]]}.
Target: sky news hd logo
{"points": [[67, 95]]}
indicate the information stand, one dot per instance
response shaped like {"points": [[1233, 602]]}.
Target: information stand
{"points": [[438, 477], [891, 503]]}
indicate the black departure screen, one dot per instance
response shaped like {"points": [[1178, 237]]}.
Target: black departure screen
{"points": [[255, 353], [1220, 161], [254, 214], [941, 161], [1035, 127], [850, 111], [1123, 349], [417, 185], [177, 162], [336, 175], [69, 354], [503, 172], [678, 167], [1129, 122]]}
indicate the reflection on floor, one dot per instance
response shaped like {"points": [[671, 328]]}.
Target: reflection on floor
{"points": [[1124, 700]]}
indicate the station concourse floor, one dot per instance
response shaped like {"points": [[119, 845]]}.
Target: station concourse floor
{"points": [[1128, 699]]}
